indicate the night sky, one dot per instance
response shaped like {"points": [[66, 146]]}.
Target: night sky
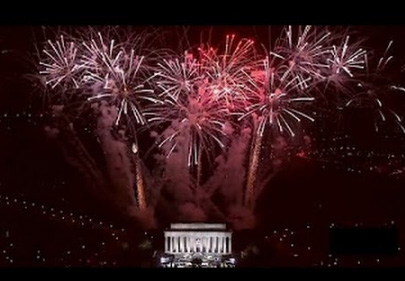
{"points": [[332, 183]]}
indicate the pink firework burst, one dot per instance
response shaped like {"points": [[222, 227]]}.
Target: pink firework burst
{"points": [[60, 65], [188, 105], [228, 71], [116, 73], [304, 53], [346, 63], [276, 100]]}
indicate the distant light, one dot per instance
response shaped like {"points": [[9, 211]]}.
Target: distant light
{"points": [[134, 148]]}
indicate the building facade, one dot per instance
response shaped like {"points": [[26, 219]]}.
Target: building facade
{"points": [[197, 245]]}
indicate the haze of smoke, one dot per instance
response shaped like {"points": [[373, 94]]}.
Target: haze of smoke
{"points": [[119, 166], [229, 179], [307, 141], [145, 218], [229, 175], [77, 155], [241, 217], [179, 183], [279, 147], [276, 160], [190, 212], [52, 132]]}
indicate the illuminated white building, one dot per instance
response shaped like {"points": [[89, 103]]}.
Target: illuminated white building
{"points": [[198, 244]]}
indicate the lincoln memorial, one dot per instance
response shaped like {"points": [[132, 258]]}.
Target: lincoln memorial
{"points": [[197, 244]]}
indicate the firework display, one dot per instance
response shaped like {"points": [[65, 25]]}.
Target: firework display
{"points": [[197, 101]]}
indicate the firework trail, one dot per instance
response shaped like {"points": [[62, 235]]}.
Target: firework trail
{"points": [[140, 187], [97, 65], [376, 92], [273, 106], [117, 73], [252, 170]]}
